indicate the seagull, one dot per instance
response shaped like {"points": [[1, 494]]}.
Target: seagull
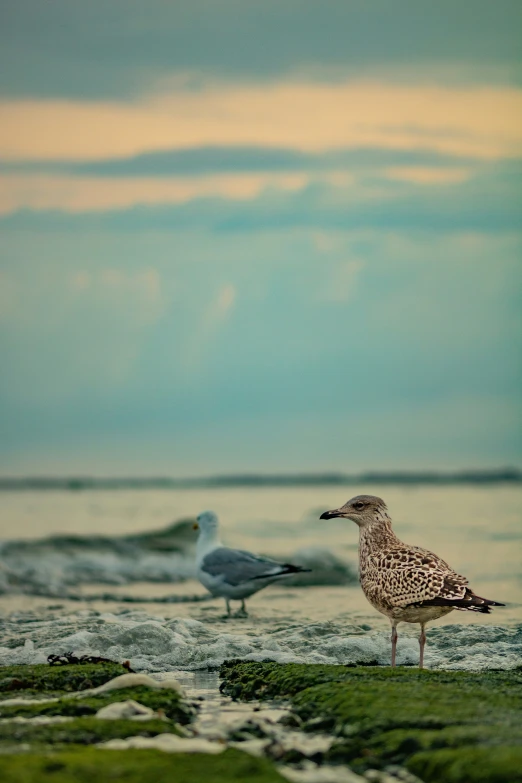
{"points": [[233, 574], [406, 583]]}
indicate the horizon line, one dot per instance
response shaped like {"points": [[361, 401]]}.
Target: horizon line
{"points": [[80, 482]]}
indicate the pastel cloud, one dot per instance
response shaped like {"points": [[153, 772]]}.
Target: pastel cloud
{"points": [[249, 234], [424, 175], [206, 329], [94, 321], [100, 48], [226, 299], [84, 194], [486, 201], [341, 285], [250, 338], [484, 122]]}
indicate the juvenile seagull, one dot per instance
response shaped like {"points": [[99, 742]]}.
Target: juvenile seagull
{"points": [[406, 583], [233, 574]]}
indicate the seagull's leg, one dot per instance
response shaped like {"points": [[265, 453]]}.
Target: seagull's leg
{"points": [[422, 642], [228, 607], [242, 612], [394, 642]]}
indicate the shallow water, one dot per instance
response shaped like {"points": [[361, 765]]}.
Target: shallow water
{"points": [[477, 529]]}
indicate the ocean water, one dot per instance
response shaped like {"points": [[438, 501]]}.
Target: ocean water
{"points": [[112, 573]]}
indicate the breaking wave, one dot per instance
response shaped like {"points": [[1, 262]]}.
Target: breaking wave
{"points": [[50, 565], [153, 643]]}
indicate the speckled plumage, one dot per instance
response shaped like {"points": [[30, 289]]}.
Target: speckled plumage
{"points": [[406, 583], [395, 576]]}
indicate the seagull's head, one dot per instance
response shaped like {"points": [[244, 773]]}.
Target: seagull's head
{"points": [[207, 522], [364, 510]]}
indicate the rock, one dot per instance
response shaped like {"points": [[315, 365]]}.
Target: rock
{"points": [[321, 775], [169, 743], [39, 720], [292, 747], [254, 747], [291, 721], [129, 709], [162, 701], [320, 723], [134, 681], [41, 677], [439, 725]]}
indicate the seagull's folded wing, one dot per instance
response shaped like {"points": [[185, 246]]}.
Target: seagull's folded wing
{"points": [[237, 566], [410, 576]]}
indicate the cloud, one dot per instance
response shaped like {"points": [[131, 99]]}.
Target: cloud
{"points": [[486, 202], [428, 328], [342, 284], [305, 116], [201, 161], [225, 300], [428, 176], [83, 327], [428, 320], [68, 48], [88, 194], [7, 296], [207, 324], [139, 292], [176, 177], [264, 233], [80, 281]]}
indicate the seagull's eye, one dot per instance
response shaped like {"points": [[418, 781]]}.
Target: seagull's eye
{"points": [[358, 506]]}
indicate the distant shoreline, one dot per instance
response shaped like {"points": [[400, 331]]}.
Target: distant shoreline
{"points": [[80, 483]]}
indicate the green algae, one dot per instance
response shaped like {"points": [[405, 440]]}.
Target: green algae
{"points": [[470, 765], [59, 681], [64, 752], [81, 731], [249, 680], [135, 766], [434, 723], [400, 745], [165, 699], [42, 678], [386, 705]]}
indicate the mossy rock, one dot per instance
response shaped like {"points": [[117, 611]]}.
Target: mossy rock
{"points": [[80, 731], [394, 747], [470, 765], [434, 723], [366, 706], [165, 699], [250, 680], [42, 678], [135, 766]]}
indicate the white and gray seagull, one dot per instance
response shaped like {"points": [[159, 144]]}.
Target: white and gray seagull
{"points": [[233, 574], [406, 583]]}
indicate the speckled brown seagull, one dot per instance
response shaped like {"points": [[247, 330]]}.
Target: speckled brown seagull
{"points": [[406, 583]]}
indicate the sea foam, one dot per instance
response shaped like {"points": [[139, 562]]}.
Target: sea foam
{"points": [[153, 643]]}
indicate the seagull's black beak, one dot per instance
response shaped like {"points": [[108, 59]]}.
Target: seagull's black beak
{"points": [[331, 514]]}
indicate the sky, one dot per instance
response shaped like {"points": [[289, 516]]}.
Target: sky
{"points": [[259, 237]]}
